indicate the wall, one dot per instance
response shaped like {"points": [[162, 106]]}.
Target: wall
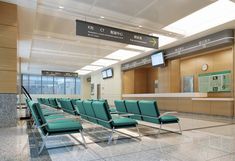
{"points": [[110, 88], [8, 64], [216, 61]]}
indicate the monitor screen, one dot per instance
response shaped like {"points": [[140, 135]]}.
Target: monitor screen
{"points": [[109, 73], [157, 59], [104, 74]]}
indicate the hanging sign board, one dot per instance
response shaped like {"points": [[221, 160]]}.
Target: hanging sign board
{"points": [[93, 30], [57, 73]]}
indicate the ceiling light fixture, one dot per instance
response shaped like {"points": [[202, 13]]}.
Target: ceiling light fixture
{"points": [[61, 7], [82, 72], [104, 62], [102, 17], [141, 48], [122, 54], [140, 26], [92, 67], [215, 14], [163, 40]]}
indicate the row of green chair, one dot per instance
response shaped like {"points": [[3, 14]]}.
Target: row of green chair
{"points": [[49, 102], [50, 124], [146, 111], [97, 112], [68, 106]]}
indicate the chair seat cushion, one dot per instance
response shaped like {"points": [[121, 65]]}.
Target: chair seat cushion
{"points": [[54, 117], [122, 122], [64, 126], [169, 119]]}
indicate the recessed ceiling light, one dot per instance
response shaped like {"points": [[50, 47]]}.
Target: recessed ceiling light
{"points": [[163, 40], [215, 14], [61, 7], [104, 62], [102, 17], [92, 67], [141, 48], [48, 37], [122, 54], [82, 72], [140, 26]]}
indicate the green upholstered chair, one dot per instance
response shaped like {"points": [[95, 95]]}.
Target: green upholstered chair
{"points": [[150, 113], [53, 127], [133, 108], [81, 110], [67, 106], [39, 100], [53, 103], [105, 119], [73, 101], [89, 111], [120, 106]]}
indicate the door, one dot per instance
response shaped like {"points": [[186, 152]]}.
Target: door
{"points": [[98, 91]]}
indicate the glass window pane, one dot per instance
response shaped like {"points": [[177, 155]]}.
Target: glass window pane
{"points": [[59, 85], [70, 85], [25, 81], [78, 86], [35, 84], [47, 85]]}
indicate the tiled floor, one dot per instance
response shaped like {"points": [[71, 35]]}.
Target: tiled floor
{"points": [[204, 138]]}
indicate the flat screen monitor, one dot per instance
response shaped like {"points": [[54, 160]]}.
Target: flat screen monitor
{"points": [[109, 73], [104, 74], [157, 59]]}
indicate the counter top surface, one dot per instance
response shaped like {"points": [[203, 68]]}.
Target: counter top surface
{"points": [[212, 99], [153, 95]]}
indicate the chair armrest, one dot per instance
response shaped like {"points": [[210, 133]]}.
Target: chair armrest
{"points": [[125, 115], [167, 113]]}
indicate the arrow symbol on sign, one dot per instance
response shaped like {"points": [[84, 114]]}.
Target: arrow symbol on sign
{"points": [[153, 41]]}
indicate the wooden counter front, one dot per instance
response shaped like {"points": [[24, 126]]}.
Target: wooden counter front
{"points": [[188, 102]]}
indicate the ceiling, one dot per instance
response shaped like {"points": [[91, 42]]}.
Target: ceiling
{"points": [[47, 39]]}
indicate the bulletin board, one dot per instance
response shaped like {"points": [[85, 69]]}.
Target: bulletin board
{"points": [[215, 82]]}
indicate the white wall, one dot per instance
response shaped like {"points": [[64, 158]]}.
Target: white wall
{"points": [[110, 88], [85, 88]]}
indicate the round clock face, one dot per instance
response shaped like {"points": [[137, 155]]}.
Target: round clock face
{"points": [[204, 67]]}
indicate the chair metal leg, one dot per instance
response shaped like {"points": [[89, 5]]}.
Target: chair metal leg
{"points": [[84, 141], [43, 144], [138, 130], [111, 136], [159, 130], [180, 130]]}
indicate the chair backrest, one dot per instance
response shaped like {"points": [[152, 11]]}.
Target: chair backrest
{"points": [[53, 102], [80, 109], [133, 108], [74, 101], [105, 101], [67, 106], [120, 106], [89, 111], [102, 112], [149, 108], [39, 100], [36, 116], [46, 101]]}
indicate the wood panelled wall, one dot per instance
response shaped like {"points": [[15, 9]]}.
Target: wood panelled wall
{"points": [[216, 61], [141, 80], [8, 47]]}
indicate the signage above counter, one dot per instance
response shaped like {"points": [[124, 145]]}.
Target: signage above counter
{"points": [[98, 31], [57, 73], [210, 42]]}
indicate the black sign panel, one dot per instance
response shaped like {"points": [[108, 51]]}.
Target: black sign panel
{"points": [[57, 73], [88, 29]]}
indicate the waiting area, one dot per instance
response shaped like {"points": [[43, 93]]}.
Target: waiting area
{"points": [[115, 80]]}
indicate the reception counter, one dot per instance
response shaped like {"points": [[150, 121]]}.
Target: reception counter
{"points": [[189, 102]]}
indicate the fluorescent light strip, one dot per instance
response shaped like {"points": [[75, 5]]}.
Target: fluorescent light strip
{"points": [[139, 48], [104, 62], [82, 72], [122, 54], [163, 40], [92, 67], [215, 14]]}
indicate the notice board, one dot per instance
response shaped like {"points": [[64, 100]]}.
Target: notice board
{"points": [[215, 82]]}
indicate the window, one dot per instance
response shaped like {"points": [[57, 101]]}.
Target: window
{"points": [[47, 85], [70, 85], [59, 85], [78, 86], [35, 84], [25, 81]]}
